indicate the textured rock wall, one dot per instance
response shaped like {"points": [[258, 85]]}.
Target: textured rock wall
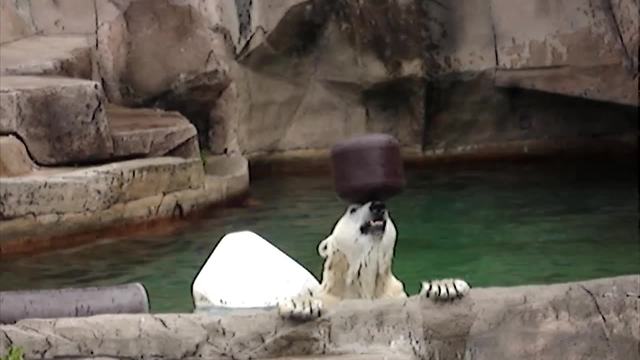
{"points": [[587, 320], [368, 61], [259, 77]]}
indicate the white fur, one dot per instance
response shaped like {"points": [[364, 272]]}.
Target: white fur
{"points": [[358, 266]]}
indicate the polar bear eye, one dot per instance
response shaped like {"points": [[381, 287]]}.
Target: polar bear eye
{"points": [[352, 209]]}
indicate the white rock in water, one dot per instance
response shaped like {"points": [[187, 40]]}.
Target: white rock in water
{"points": [[246, 271]]}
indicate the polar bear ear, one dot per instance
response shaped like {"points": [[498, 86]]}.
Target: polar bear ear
{"points": [[324, 247]]}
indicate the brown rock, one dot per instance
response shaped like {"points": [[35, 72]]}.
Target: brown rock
{"points": [[14, 159]]}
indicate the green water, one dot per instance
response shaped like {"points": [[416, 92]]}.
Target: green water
{"points": [[498, 225]]}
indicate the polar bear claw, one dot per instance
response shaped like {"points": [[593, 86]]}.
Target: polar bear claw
{"points": [[446, 289]]}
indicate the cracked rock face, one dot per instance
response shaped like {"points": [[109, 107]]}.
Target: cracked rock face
{"points": [[169, 54], [353, 67], [588, 320], [146, 46]]}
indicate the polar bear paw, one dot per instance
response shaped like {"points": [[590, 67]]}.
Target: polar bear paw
{"points": [[447, 289], [300, 309]]}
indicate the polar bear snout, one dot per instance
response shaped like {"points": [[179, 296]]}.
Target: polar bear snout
{"points": [[377, 208], [375, 221]]}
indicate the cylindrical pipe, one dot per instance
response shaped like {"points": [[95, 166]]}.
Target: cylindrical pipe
{"points": [[73, 302]]}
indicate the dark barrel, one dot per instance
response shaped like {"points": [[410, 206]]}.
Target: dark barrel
{"points": [[73, 302], [367, 168]]}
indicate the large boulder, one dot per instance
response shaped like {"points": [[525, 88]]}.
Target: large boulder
{"points": [[352, 67], [60, 120], [147, 46], [595, 319], [169, 54]]}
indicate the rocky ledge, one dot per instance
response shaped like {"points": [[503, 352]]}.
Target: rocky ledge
{"points": [[595, 319], [53, 207]]}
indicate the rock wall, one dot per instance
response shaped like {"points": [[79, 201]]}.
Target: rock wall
{"points": [[595, 319], [441, 77], [262, 77]]}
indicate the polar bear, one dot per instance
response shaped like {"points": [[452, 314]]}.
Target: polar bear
{"points": [[357, 265]]}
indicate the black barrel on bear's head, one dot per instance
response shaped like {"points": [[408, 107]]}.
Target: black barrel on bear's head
{"points": [[367, 168]]}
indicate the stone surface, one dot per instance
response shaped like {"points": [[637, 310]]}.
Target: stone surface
{"points": [[14, 159], [64, 16], [151, 132], [594, 319], [61, 120], [319, 63], [352, 67], [96, 188], [577, 41], [472, 113], [232, 171], [627, 22], [148, 45], [15, 21], [56, 207], [169, 54], [64, 55], [460, 36]]}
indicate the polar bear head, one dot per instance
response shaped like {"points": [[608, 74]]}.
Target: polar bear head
{"points": [[359, 228]]}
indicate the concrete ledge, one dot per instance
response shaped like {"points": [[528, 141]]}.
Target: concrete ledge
{"points": [[97, 188], [594, 319]]}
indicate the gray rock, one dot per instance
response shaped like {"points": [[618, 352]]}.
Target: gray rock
{"points": [[567, 48], [61, 120], [146, 46], [15, 21], [64, 16], [594, 319], [150, 133], [96, 188], [63, 55]]}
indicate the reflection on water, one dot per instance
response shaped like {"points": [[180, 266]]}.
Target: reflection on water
{"points": [[500, 225]]}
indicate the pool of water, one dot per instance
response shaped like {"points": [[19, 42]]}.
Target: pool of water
{"points": [[504, 224]]}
